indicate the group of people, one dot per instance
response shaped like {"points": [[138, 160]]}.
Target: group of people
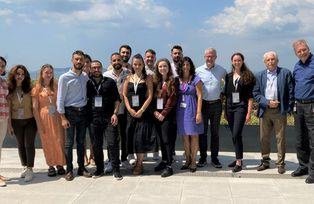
{"points": [[138, 103]]}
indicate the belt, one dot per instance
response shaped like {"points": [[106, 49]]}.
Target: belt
{"points": [[305, 101], [76, 108], [212, 102]]}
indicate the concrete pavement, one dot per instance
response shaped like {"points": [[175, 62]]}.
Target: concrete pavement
{"points": [[207, 185]]}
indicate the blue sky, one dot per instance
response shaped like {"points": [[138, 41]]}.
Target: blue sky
{"points": [[35, 32]]}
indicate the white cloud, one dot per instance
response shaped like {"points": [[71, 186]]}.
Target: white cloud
{"points": [[5, 12], [140, 12], [247, 16]]}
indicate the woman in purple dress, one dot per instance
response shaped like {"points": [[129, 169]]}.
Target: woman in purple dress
{"points": [[189, 115]]}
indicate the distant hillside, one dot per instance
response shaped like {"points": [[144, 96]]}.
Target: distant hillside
{"points": [[57, 71]]}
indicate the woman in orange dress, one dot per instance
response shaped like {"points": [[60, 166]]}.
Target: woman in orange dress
{"points": [[48, 120]]}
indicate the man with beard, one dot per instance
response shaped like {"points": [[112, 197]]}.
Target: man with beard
{"points": [[71, 104], [118, 74], [176, 55], [103, 105], [125, 52], [150, 59]]}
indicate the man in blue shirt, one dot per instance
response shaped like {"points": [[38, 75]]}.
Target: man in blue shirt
{"points": [[212, 75], [71, 104], [273, 92], [303, 75]]}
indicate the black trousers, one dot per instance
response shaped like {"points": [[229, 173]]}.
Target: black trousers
{"points": [[111, 134], [165, 136], [25, 132], [122, 134], [211, 112], [236, 119], [304, 126]]}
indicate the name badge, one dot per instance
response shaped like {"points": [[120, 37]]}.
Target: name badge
{"points": [[51, 109], [135, 101], [160, 103], [183, 105], [235, 97], [98, 101], [295, 107], [20, 113]]}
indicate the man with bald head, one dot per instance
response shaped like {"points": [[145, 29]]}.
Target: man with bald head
{"points": [[273, 92], [303, 75]]}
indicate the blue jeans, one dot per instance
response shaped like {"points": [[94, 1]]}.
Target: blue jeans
{"points": [[77, 120]]}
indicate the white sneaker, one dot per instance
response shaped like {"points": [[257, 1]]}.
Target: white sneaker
{"points": [[156, 156], [126, 164], [23, 173], [29, 175], [108, 168], [131, 159]]}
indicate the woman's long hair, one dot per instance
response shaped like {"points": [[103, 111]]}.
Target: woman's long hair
{"points": [[158, 76], [192, 67], [40, 79], [26, 83], [246, 74], [139, 56]]}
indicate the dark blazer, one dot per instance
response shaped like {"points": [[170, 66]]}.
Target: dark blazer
{"points": [[245, 91], [284, 88]]}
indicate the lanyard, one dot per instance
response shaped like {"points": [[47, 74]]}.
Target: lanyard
{"points": [[49, 96], [236, 83], [19, 97], [135, 84], [95, 87]]}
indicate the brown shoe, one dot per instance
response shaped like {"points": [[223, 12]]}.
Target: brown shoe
{"points": [[138, 170], [262, 167], [281, 169]]}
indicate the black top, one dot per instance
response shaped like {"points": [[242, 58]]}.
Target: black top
{"points": [[108, 90], [245, 90]]}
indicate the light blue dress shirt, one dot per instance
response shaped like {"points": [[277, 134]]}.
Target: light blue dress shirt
{"points": [[71, 90], [212, 81], [271, 85]]}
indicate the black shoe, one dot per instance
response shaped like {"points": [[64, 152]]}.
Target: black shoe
{"points": [[216, 163], [167, 172], [98, 174], [309, 180], [52, 171], [281, 169], [237, 168], [185, 166], [83, 172], [299, 172], [201, 163], [60, 170], [192, 169], [69, 176], [262, 167], [117, 175], [161, 166], [233, 164]]}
